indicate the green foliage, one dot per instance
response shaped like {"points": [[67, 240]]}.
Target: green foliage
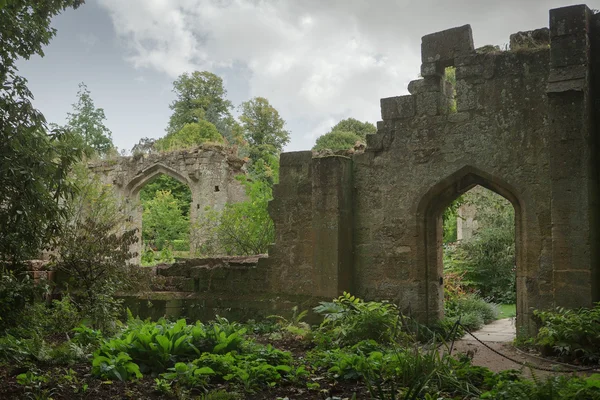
{"points": [[189, 375], [571, 334], [34, 164], [87, 121], [472, 309], [488, 258], [26, 29], [344, 135], [196, 95], [15, 295], [553, 388], [349, 320], [362, 129], [94, 250], [262, 124], [191, 135], [241, 228], [449, 220], [117, 366], [337, 140], [163, 221], [180, 191]]}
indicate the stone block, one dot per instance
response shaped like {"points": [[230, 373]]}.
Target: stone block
{"points": [[432, 69], [428, 103], [397, 107], [442, 47], [569, 50], [469, 71], [375, 142], [295, 158], [429, 84], [572, 20], [466, 96]]}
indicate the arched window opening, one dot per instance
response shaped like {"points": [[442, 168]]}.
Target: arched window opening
{"points": [[165, 203], [479, 260]]}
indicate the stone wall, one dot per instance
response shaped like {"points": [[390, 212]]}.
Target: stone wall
{"points": [[523, 127], [209, 171]]}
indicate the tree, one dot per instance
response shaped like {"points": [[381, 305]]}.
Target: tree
{"points": [[241, 228], [337, 140], [94, 249], [262, 124], [163, 220], [344, 135], [180, 191], [191, 135], [88, 121], [34, 163], [25, 29], [198, 95], [361, 129]]}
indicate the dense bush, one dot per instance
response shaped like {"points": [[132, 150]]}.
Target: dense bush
{"points": [[349, 320], [571, 334], [243, 228], [474, 312], [487, 260], [164, 221]]}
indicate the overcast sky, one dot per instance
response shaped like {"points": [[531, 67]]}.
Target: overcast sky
{"points": [[316, 61]]}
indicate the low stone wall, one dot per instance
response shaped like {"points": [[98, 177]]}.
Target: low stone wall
{"points": [[200, 289]]}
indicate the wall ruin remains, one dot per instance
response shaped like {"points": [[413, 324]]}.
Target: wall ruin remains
{"points": [[209, 171], [520, 122]]}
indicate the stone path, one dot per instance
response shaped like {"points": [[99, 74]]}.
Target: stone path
{"points": [[502, 330]]}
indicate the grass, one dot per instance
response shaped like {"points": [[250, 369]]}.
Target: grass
{"points": [[507, 311]]}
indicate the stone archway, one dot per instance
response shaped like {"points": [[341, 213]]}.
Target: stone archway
{"points": [[132, 192], [209, 172], [429, 223]]}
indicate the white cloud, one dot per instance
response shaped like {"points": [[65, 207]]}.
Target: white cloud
{"points": [[317, 61]]}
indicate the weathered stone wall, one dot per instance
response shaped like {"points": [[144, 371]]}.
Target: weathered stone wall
{"points": [[209, 171], [312, 213], [523, 127]]}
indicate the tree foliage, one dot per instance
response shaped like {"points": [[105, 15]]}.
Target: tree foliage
{"points": [[190, 136], [88, 121], [262, 124], [94, 248], [241, 228], [361, 129], [34, 164], [164, 220], [179, 190], [344, 135], [25, 28], [337, 140], [487, 260], [197, 96]]}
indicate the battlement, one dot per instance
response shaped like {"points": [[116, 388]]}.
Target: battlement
{"points": [[560, 52]]}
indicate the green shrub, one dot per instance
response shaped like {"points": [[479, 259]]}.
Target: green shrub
{"points": [[117, 366], [15, 294], [181, 245], [487, 260], [553, 388], [473, 311], [571, 334], [349, 320]]}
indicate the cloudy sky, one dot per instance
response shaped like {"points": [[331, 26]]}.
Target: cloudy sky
{"points": [[316, 61]]}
